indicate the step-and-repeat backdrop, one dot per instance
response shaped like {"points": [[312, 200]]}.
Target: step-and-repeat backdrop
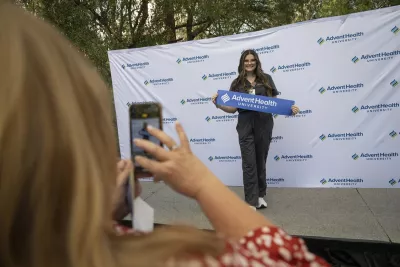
{"points": [[343, 73]]}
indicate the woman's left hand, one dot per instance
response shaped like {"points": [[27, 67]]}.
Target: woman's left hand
{"points": [[120, 207], [295, 109]]}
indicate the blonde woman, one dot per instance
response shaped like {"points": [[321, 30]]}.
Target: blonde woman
{"points": [[57, 173]]}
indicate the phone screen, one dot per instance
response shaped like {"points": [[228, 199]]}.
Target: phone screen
{"points": [[142, 116]]}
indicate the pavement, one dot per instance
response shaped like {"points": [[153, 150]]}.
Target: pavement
{"points": [[362, 214]]}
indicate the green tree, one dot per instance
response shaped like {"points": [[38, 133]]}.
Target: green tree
{"points": [[344, 7]]}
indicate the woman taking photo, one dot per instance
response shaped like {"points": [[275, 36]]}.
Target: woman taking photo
{"points": [[60, 186], [254, 128]]}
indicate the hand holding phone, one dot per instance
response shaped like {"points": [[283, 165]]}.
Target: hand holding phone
{"points": [[140, 117]]}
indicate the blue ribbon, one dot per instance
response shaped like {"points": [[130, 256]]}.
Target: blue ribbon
{"points": [[255, 102]]}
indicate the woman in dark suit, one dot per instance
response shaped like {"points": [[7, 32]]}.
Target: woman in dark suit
{"points": [[254, 128]]}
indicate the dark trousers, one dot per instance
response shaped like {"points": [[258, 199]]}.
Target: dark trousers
{"points": [[255, 134]]}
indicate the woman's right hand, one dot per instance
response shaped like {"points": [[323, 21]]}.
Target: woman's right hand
{"points": [[179, 167], [186, 174], [214, 98]]}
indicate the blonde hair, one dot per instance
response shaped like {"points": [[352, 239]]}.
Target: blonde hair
{"points": [[57, 160]]}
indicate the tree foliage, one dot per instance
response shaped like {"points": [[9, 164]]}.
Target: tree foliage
{"points": [[96, 26]]}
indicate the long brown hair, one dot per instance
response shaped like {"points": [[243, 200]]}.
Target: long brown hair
{"points": [[57, 160], [260, 75]]}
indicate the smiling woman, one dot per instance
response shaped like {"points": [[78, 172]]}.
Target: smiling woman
{"points": [[254, 128]]}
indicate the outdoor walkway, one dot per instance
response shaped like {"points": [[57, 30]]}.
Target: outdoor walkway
{"points": [[368, 214]]}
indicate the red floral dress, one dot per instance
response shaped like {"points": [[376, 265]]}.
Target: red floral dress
{"points": [[266, 246]]}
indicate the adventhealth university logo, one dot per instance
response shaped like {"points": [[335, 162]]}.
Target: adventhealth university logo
{"points": [[222, 118], [291, 67], [395, 30], [375, 156], [133, 103], [134, 66], [276, 139], [158, 82], [196, 101], [338, 89], [341, 136], [219, 76], [169, 120], [393, 134], [202, 141], [275, 181], [224, 158], [377, 57], [265, 49], [342, 181], [293, 158], [249, 101], [192, 59], [225, 98], [394, 181], [394, 83], [344, 38], [301, 114], [376, 108]]}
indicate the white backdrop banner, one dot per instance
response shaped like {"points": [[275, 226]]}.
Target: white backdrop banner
{"points": [[343, 73]]}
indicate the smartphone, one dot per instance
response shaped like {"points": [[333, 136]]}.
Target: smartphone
{"points": [[141, 116]]}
